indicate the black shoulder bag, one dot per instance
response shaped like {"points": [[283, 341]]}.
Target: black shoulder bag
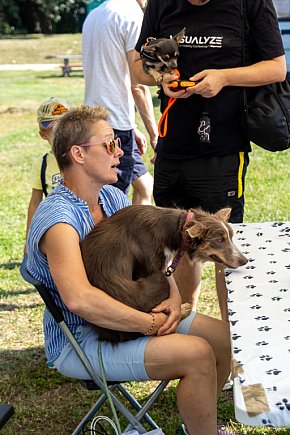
{"points": [[266, 116]]}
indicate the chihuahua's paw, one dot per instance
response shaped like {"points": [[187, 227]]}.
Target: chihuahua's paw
{"points": [[156, 75], [185, 310]]}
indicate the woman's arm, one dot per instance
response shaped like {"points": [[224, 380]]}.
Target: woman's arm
{"points": [[171, 307], [61, 245]]}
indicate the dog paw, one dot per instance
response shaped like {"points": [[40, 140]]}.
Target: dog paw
{"points": [[185, 310], [156, 75]]}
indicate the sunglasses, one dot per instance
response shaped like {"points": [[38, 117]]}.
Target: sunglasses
{"points": [[111, 145]]}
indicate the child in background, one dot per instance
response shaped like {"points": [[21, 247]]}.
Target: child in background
{"points": [[45, 172]]}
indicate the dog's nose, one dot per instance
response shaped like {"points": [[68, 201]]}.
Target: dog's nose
{"points": [[243, 260], [173, 63]]}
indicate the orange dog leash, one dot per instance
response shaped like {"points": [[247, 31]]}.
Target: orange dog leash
{"points": [[162, 129], [175, 85], [163, 121]]}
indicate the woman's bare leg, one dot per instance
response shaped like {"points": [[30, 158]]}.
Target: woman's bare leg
{"points": [[192, 360], [217, 334]]}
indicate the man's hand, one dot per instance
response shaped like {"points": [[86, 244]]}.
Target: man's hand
{"points": [[211, 81], [141, 141]]}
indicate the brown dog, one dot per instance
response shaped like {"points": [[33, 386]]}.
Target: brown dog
{"points": [[159, 56], [127, 254]]}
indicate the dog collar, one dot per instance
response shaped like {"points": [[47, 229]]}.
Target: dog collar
{"points": [[172, 267], [143, 53]]}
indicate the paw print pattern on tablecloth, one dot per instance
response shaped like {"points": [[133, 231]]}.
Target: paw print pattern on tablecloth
{"points": [[267, 423], [264, 328], [273, 372], [262, 343], [265, 357], [284, 404], [259, 316]]}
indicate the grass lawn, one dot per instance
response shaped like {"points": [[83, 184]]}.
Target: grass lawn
{"points": [[45, 401]]}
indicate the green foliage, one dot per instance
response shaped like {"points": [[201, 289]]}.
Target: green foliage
{"points": [[40, 16]]}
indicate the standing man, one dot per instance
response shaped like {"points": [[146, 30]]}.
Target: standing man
{"points": [[110, 33], [202, 159]]}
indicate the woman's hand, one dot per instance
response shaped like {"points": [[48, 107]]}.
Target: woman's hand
{"points": [[171, 307]]}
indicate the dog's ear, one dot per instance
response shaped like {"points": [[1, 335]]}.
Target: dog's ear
{"points": [[224, 214], [196, 231], [151, 47], [178, 37]]}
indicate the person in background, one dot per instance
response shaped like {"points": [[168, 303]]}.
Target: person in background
{"points": [[202, 158], [195, 350], [45, 171], [142, 180], [109, 36]]}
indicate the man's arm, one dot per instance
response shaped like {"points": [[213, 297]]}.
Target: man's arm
{"points": [[139, 74], [213, 80], [61, 245], [143, 101]]}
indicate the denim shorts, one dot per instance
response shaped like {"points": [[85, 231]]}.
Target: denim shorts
{"points": [[139, 166], [122, 362]]}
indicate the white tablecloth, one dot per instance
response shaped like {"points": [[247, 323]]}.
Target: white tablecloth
{"points": [[259, 315]]}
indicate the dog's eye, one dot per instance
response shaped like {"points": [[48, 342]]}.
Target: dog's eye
{"points": [[220, 240]]}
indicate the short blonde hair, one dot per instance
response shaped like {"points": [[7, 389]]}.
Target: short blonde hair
{"points": [[74, 128]]}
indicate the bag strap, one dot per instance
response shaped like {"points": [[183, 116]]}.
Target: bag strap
{"points": [[42, 174], [243, 22], [108, 392]]}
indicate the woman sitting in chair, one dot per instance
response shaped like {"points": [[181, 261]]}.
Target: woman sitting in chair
{"points": [[195, 350]]}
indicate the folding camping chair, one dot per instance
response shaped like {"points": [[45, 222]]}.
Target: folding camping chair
{"points": [[96, 382]]}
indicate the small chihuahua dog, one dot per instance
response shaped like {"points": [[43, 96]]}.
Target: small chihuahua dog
{"points": [[159, 56]]}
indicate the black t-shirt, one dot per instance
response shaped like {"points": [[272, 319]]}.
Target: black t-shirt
{"points": [[213, 39]]}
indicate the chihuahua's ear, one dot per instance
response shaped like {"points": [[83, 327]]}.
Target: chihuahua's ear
{"points": [[180, 35], [151, 47], [196, 231], [224, 214]]}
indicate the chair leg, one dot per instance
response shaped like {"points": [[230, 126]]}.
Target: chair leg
{"points": [[135, 422], [90, 415], [142, 410]]}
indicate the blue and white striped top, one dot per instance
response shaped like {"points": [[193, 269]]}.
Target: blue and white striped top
{"points": [[62, 205]]}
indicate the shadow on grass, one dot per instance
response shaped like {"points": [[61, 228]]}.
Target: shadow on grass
{"points": [[60, 76], [12, 307], [7, 293], [10, 266], [58, 403], [21, 359]]}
